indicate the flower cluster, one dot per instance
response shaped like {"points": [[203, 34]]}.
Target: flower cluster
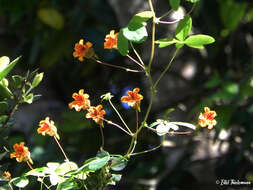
{"points": [[207, 118], [21, 153], [85, 49], [81, 101]]}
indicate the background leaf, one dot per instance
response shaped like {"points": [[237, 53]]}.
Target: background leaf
{"points": [[174, 4]]}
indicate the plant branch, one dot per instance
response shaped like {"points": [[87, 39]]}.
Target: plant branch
{"points": [[122, 120], [167, 68], [131, 58]]}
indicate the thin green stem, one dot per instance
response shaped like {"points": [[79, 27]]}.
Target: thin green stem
{"points": [[59, 145], [146, 151], [153, 37], [167, 68], [165, 14], [122, 120], [136, 53], [117, 66], [137, 120], [102, 137]]}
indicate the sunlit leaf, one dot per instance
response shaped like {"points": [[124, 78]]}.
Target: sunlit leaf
{"points": [[183, 28], [8, 68], [139, 20], [137, 36], [20, 182], [198, 41], [37, 79]]}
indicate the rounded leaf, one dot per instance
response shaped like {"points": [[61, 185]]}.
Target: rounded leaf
{"points": [[136, 36], [197, 41]]}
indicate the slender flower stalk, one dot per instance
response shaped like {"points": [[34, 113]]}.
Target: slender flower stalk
{"points": [[29, 165], [168, 22], [122, 120], [136, 53], [117, 66], [116, 125], [59, 145], [102, 137], [131, 58]]}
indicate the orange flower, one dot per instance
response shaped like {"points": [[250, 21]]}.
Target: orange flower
{"points": [[81, 101], [21, 153], [96, 114], [48, 127], [207, 118], [7, 175], [111, 40], [133, 99], [83, 50]]}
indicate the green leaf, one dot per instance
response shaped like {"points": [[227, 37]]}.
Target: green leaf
{"points": [[6, 187], [17, 81], [66, 167], [166, 42], [3, 118], [197, 41], [3, 107], [118, 163], [122, 44], [29, 98], [5, 92], [174, 4], [68, 184], [183, 28], [231, 13], [179, 45], [37, 79], [137, 36], [51, 17], [39, 172], [232, 88], [139, 20], [20, 182], [8, 68], [214, 81]]}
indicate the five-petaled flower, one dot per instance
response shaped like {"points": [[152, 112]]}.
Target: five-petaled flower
{"points": [[21, 153], [81, 101], [48, 127], [207, 118], [83, 50], [111, 40], [133, 99], [7, 175], [96, 113]]}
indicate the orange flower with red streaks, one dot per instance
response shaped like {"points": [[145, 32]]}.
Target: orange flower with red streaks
{"points": [[96, 113], [47, 127], [133, 99], [81, 101], [207, 118], [21, 153], [7, 175], [83, 50], [111, 40]]}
